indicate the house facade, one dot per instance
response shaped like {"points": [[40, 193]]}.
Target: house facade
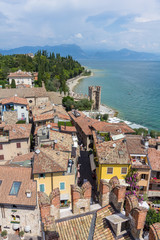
{"points": [[14, 140], [111, 159], [55, 169], [19, 210], [21, 77], [14, 109]]}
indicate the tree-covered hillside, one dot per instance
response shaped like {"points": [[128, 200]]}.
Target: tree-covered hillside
{"points": [[53, 70]]}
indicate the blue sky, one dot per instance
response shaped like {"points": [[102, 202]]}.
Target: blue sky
{"points": [[91, 24]]}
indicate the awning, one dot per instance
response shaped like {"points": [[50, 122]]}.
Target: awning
{"points": [[64, 196], [92, 163]]}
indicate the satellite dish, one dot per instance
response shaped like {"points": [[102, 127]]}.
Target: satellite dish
{"points": [[114, 145], [49, 126]]}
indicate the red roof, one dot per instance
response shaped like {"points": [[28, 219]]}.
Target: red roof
{"points": [[14, 99]]}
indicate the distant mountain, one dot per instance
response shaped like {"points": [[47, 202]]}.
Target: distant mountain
{"points": [[64, 50], [126, 55], [77, 53]]}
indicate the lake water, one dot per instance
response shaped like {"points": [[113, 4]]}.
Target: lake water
{"points": [[132, 88]]}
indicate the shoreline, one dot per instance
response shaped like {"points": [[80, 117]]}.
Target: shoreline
{"points": [[104, 109], [73, 82]]}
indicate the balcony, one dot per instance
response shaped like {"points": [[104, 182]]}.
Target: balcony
{"points": [[154, 193]]}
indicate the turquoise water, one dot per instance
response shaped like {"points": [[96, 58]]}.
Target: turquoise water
{"points": [[132, 88]]}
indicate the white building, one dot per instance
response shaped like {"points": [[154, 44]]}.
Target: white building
{"points": [[20, 77], [14, 109]]}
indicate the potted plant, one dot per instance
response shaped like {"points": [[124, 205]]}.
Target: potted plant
{"points": [[21, 234], [4, 234]]}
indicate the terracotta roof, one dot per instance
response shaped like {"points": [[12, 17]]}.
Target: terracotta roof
{"points": [[68, 129], [88, 226], [55, 97], [102, 230], [20, 74], [23, 86], [113, 128], [17, 174], [85, 123], [22, 158], [18, 131], [64, 141], [74, 229], [135, 145], [43, 117], [14, 99], [49, 160], [154, 159], [24, 93], [112, 152]]}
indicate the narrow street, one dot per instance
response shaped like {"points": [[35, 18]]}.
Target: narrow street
{"points": [[86, 174]]}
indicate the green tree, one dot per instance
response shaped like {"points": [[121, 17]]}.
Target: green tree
{"points": [[13, 84], [152, 217]]}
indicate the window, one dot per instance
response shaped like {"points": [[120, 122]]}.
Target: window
{"points": [[123, 170], [1, 147], [141, 188], [0, 182], [110, 170], [15, 188], [22, 107], [18, 145], [143, 176], [30, 101], [41, 188], [1, 157], [62, 186], [41, 175]]}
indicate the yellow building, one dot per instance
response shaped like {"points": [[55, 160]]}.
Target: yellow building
{"points": [[54, 169], [111, 157], [138, 148]]}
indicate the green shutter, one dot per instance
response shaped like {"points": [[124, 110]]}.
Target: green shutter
{"points": [[41, 187]]}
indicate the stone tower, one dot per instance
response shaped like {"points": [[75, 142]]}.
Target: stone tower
{"points": [[94, 93]]}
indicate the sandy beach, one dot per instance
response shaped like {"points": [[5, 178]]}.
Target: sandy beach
{"points": [[104, 109], [72, 82]]}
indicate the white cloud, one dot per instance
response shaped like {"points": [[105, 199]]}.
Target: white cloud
{"points": [[79, 35], [52, 21]]}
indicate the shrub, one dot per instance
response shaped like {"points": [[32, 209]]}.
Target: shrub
{"points": [[4, 233], [21, 122], [21, 233]]}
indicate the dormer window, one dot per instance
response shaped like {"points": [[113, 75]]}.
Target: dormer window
{"points": [[15, 188]]}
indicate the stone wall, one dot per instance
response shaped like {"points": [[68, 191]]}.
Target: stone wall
{"points": [[49, 205], [28, 216], [10, 117], [154, 232], [137, 216], [81, 198]]}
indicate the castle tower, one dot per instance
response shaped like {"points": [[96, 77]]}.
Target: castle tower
{"points": [[94, 93]]}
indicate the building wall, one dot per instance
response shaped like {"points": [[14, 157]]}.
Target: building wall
{"points": [[54, 181], [101, 171], [18, 81], [21, 109], [29, 216], [10, 149]]}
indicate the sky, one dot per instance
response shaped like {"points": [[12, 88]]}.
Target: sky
{"points": [[91, 24]]}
